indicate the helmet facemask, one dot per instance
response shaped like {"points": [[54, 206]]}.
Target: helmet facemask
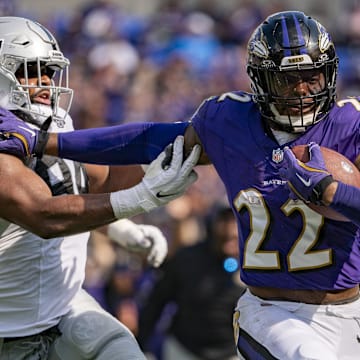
{"points": [[57, 91]]}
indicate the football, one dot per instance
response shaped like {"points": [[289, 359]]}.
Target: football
{"points": [[341, 168]]}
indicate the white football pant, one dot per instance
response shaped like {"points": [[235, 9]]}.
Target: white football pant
{"points": [[295, 331]]}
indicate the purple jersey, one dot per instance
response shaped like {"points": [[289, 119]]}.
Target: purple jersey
{"points": [[283, 243]]}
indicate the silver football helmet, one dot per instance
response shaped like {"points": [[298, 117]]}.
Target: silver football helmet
{"points": [[28, 51]]}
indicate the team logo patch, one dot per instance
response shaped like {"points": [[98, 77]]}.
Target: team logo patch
{"points": [[277, 155], [268, 64], [324, 39], [258, 48], [60, 123]]}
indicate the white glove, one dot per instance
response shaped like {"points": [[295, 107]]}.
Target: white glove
{"points": [[160, 184], [140, 238]]}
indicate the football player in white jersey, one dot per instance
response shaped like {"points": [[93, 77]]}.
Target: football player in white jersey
{"points": [[49, 205]]}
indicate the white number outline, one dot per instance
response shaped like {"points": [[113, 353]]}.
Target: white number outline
{"points": [[301, 255], [353, 101], [243, 97]]}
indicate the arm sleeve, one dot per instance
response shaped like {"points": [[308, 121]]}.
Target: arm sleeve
{"points": [[134, 143]]}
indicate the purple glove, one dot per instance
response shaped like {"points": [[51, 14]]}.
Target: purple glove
{"points": [[306, 181], [18, 138]]}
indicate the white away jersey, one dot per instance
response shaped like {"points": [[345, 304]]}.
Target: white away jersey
{"points": [[39, 277]]}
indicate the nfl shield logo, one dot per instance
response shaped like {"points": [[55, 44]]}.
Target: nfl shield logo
{"points": [[277, 155]]}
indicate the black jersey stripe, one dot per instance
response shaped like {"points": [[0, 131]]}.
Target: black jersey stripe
{"points": [[250, 349]]}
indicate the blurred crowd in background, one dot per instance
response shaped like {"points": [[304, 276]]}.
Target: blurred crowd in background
{"points": [[127, 67]]}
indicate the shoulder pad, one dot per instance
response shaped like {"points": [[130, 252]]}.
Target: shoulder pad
{"points": [[210, 106]]}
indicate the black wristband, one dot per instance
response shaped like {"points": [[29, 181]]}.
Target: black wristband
{"points": [[41, 141], [318, 190]]}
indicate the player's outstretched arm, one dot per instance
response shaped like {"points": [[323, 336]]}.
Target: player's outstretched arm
{"points": [[344, 199], [29, 199], [135, 143], [312, 182]]}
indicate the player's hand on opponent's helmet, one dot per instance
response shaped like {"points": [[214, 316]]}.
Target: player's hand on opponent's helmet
{"points": [[306, 181], [140, 238], [19, 138], [160, 184]]}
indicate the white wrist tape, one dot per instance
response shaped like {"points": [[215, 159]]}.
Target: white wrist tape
{"points": [[130, 202]]}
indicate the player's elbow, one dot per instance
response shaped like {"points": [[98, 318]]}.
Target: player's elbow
{"points": [[46, 231], [47, 228], [48, 234]]}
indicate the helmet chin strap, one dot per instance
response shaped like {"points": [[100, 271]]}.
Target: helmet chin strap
{"points": [[40, 114], [40, 119], [45, 126], [37, 120]]}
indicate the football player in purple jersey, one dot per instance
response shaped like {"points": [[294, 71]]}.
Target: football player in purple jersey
{"points": [[302, 270]]}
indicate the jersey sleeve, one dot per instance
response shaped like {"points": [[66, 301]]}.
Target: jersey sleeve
{"points": [[135, 143], [203, 116]]}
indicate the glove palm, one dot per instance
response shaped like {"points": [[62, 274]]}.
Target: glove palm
{"points": [[140, 238]]}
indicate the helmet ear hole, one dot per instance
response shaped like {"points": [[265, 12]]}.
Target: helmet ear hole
{"points": [[290, 45]]}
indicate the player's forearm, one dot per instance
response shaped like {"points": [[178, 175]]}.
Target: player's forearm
{"points": [[29, 199], [51, 147], [68, 215], [116, 177], [329, 193], [345, 199], [137, 143]]}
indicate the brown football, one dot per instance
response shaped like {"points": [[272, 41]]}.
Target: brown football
{"points": [[341, 168]]}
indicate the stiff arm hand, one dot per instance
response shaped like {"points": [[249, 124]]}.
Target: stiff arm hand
{"points": [[140, 238], [160, 185], [306, 181]]}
